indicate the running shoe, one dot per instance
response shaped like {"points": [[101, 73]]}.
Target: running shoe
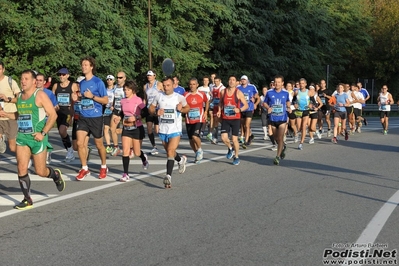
{"points": [[236, 161], [230, 154], [70, 156], [82, 174], [244, 145], [274, 148], [116, 151], [3, 146], [359, 130], [154, 151], [300, 147], [385, 132], [276, 160], [319, 134], [346, 135], [146, 164], [103, 173], [241, 140], [296, 139], [125, 177], [59, 183], [215, 141], [201, 134], [167, 181], [108, 149], [209, 137], [48, 157], [89, 149], [200, 155], [24, 204], [131, 153], [329, 133], [250, 139], [334, 140], [365, 122], [311, 141], [182, 164], [265, 137], [282, 155]]}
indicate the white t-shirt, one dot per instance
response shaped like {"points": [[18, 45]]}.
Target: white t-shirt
{"points": [[8, 92], [359, 96], [383, 102]]}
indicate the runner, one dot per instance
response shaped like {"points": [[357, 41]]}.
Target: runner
{"points": [[170, 106], [263, 113], [301, 100], [213, 135], [230, 111], [291, 115], [152, 89], [325, 111], [314, 106], [94, 96], [349, 109], [340, 112], [366, 96], [384, 103], [115, 118], [196, 117], [177, 88], [63, 91], [8, 127], [133, 130], [251, 95], [32, 140], [277, 103], [108, 113], [205, 88], [358, 100]]}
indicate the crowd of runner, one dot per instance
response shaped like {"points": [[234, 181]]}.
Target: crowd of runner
{"points": [[113, 113]]}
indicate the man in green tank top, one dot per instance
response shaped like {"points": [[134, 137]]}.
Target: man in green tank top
{"points": [[32, 107]]}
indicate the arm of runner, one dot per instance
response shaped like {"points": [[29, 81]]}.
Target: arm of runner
{"points": [[183, 106], [257, 100], [42, 100], [13, 116], [244, 102], [390, 99]]}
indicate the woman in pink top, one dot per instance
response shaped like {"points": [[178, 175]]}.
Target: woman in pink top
{"points": [[133, 130]]}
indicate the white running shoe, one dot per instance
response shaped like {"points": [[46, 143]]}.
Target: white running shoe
{"points": [[167, 181], [182, 164], [124, 178], [274, 148], [311, 141], [296, 139], [70, 156], [318, 134], [3, 146], [154, 151], [200, 155], [146, 164]]}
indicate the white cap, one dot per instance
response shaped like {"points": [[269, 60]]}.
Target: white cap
{"points": [[311, 87], [150, 73], [244, 77], [110, 77], [80, 78]]}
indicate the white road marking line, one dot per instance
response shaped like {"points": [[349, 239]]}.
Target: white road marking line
{"points": [[374, 227], [12, 199], [109, 185]]}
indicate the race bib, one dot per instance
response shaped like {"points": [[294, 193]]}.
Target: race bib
{"points": [[229, 110], [216, 101], [132, 127], [25, 124], [246, 95], [87, 104], [323, 100], [277, 109], [63, 99], [77, 107], [107, 111], [194, 114], [117, 104], [383, 107], [168, 117]]}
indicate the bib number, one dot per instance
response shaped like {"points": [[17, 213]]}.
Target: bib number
{"points": [[216, 101], [25, 124], [229, 110], [277, 109], [383, 107], [87, 104], [194, 114], [63, 99], [127, 127], [169, 116], [107, 112], [246, 95]]}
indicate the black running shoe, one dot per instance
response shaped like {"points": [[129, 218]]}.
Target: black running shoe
{"points": [[23, 205], [60, 183], [365, 122]]}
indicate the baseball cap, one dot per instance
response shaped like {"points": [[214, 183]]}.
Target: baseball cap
{"points": [[80, 78], [311, 87], [63, 71], [150, 73], [244, 77], [110, 77]]}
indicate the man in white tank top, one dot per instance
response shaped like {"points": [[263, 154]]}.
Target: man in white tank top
{"points": [[169, 106], [384, 102]]}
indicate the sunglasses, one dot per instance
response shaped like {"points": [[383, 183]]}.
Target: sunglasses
{"points": [[109, 79], [120, 77]]}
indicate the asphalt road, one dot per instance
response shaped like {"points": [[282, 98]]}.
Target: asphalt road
{"points": [[216, 213]]}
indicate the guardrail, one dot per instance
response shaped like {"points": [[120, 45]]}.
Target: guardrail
{"points": [[369, 108]]}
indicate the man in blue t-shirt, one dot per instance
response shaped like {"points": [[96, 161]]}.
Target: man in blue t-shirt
{"points": [[94, 96], [277, 104], [252, 96], [176, 87]]}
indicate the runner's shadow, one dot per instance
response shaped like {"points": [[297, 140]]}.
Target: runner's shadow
{"points": [[365, 197], [148, 184]]}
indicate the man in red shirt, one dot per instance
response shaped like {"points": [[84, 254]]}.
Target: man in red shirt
{"points": [[196, 117]]}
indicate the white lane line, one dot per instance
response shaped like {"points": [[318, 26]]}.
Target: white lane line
{"points": [[374, 227], [109, 185], [12, 199]]}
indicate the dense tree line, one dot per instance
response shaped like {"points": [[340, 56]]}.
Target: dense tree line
{"points": [[259, 38]]}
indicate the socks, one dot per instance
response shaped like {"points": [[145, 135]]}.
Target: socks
{"points": [[142, 157], [24, 182], [177, 157], [272, 139], [125, 162], [67, 142], [152, 139], [169, 166]]}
